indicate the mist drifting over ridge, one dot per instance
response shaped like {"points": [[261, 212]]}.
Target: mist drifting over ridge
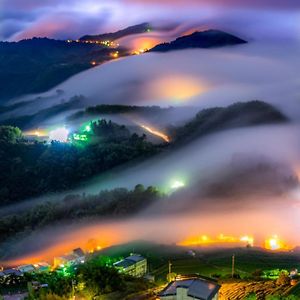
{"points": [[193, 211], [221, 76], [199, 78]]}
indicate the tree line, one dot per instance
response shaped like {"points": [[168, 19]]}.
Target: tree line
{"points": [[30, 169]]}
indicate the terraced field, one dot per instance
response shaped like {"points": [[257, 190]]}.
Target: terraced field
{"points": [[240, 290]]}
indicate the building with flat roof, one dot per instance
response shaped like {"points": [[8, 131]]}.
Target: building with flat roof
{"points": [[42, 267], [134, 265], [26, 268], [75, 257], [190, 289]]}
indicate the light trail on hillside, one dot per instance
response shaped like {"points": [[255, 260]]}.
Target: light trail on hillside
{"points": [[156, 133]]}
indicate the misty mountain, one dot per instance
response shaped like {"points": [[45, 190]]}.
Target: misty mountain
{"points": [[237, 115], [135, 29], [204, 39], [252, 175], [38, 64], [28, 121]]}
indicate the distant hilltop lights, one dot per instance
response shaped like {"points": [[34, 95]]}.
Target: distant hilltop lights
{"points": [[273, 243], [105, 43]]}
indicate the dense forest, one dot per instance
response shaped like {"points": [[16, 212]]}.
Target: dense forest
{"points": [[120, 109], [31, 168], [115, 203]]}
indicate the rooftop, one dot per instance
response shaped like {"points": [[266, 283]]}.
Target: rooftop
{"points": [[198, 288], [26, 268], [125, 263], [129, 261], [135, 257], [79, 252], [12, 272]]}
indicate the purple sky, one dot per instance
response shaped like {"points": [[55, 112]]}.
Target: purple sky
{"points": [[73, 18]]}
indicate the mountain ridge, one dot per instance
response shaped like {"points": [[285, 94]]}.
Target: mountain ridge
{"points": [[200, 39]]}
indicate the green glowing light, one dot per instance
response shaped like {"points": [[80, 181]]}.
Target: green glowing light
{"points": [[80, 137], [88, 128]]}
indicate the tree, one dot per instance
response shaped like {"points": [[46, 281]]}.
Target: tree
{"points": [[277, 297], [31, 293], [98, 279], [139, 188], [283, 279], [10, 134], [257, 273], [251, 296]]}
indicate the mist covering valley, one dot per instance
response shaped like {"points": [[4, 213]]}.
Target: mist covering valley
{"points": [[237, 181]]}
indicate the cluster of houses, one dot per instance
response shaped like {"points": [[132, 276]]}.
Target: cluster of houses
{"points": [[75, 257], [183, 287], [21, 270], [134, 265]]}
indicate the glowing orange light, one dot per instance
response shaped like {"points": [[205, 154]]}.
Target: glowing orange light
{"points": [[144, 43], [176, 87], [115, 54], [220, 239], [93, 63], [248, 239], [275, 243], [36, 132], [157, 133]]}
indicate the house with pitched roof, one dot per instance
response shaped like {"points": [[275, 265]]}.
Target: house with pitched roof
{"points": [[194, 288]]}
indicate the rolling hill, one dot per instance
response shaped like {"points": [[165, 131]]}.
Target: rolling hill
{"points": [[112, 36], [203, 39], [38, 64]]}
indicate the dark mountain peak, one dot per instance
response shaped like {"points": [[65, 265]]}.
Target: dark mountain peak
{"points": [[200, 39], [236, 115], [135, 29]]}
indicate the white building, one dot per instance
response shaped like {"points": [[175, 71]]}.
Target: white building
{"points": [[134, 265]]}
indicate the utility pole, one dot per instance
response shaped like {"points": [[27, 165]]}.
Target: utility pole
{"points": [[232, 266], [73, 289], [170, 267], [170, 270]]}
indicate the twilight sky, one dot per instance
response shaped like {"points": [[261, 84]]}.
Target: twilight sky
{"points": [[72, 18]]}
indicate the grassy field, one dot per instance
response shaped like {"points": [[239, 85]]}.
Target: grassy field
{"points": [[206, 261], [217, 263]]}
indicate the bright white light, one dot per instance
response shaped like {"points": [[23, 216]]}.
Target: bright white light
{"points": [[59, 134], [177, 184], [274, 243], [248, 239]]}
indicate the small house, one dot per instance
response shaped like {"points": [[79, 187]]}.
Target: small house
{"points": [[190, 289]]}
